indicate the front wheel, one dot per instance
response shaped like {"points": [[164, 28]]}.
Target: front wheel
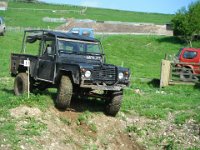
{"points": [[21, 84], [64, 93], [114, 103]]}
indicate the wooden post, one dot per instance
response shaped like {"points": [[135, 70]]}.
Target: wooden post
{"points": [[165, 73], [27, 64], [28, 78]]}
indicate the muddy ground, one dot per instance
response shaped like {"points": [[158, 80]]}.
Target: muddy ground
{"points": [[66, 130], [78, 128]]}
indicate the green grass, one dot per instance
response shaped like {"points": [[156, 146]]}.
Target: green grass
{"points": [[66, 120], [142, 54], [33, 127], [8, 134], [8, 101], [84, 117], [153, 104], [33, 18]]}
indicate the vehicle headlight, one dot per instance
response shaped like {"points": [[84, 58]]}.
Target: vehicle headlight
{"points": [[87, 74], [120, 75]]}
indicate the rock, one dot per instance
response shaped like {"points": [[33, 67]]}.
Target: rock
{"points": [[138, 91]]}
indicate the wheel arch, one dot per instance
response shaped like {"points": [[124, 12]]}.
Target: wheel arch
{"points": [[71, 74], [19, 69], [189, 67]]}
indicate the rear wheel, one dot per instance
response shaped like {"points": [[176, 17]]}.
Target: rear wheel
{"points": [[114, 103], [3, 33], [187, 75], [64, 93], [21, 84]]}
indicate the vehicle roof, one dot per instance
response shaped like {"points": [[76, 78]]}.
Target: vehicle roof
{"points": [[76, 28], [190, 48], [65, 35]]}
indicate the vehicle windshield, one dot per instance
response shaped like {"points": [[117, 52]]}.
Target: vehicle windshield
{"points": [[179, 52], [72, 46]]}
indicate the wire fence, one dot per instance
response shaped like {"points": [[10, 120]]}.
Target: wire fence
{"points": [[80, 10], [22, 29]]}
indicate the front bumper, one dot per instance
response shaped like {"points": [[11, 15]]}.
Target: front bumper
{"points": [[96, 86]]}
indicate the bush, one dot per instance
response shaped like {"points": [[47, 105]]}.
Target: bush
{"points": [[186, 23]]}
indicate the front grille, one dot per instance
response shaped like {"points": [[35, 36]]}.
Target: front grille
{"points": [[106, 74]]}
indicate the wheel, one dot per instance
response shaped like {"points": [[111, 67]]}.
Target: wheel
{"points": [[64, 93], [21, 84], [187, 75], [3, 33], [114, 103]]}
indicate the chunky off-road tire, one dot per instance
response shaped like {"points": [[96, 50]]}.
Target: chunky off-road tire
{"points": [[114, 103], [187, 75], [21, 84], [64, 93], [3, 33]]}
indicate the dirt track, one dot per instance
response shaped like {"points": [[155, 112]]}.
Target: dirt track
{"points": [[108, 134], [84, 126], [116, 27]]}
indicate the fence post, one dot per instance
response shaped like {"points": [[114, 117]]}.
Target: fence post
{"points": [[27, 64], [165, 73]]}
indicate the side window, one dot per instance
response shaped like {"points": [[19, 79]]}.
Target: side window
{"points": [[81, 47], [49, 48], [189, 54], [93, 48], [33, 48]]}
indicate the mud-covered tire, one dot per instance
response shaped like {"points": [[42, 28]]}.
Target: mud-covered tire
{"points": [[21, 84], [114, 103], [64, 95]]}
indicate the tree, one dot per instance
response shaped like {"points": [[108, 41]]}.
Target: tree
{"points": [[186, 23], [194, 12]]}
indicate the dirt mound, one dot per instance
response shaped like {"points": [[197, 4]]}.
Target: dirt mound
{"points": [[78, 128], [116, 27], [24, 111], [58, 130]]}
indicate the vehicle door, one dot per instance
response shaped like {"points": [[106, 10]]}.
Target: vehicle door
{"points": [[46, 61]]}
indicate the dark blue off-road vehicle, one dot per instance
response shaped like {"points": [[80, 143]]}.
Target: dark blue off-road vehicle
{"points": [[73, 64]]}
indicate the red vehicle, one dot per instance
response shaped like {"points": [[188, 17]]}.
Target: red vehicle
{"points": [[189, 62]]}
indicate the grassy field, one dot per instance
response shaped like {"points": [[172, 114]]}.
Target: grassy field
{"points": [[19, 17], [142, 54]]}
